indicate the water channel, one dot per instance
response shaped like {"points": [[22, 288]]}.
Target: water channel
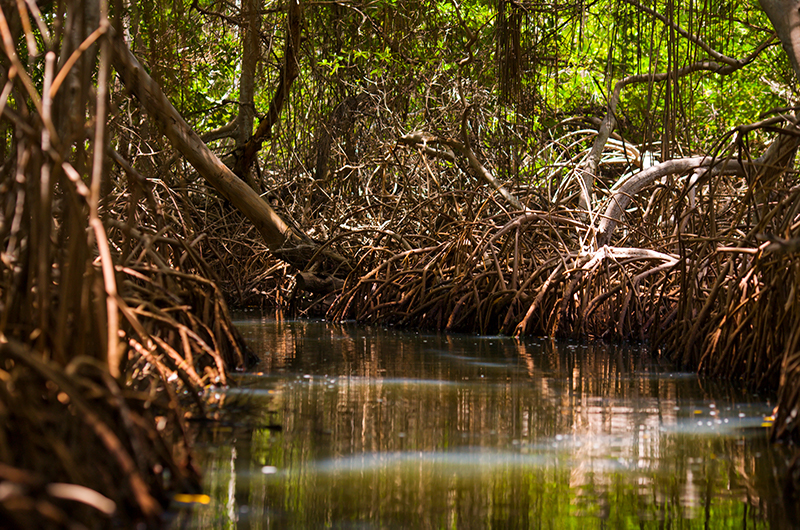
{"points": [[348, 427]]}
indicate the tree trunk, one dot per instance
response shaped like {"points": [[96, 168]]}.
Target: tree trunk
{"points": [[251, 51], [289, 72], [785, 18]]}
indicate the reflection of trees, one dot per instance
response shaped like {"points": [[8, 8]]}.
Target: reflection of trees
{"points": [[579, 431]]}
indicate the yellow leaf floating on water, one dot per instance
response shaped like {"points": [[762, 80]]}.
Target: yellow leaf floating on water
{"points": [[188, 498]]}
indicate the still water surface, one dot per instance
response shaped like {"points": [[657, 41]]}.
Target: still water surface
{"points": [[347, 427]]}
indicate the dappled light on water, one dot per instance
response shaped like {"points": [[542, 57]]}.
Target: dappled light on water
{"points": [[347, 427]]}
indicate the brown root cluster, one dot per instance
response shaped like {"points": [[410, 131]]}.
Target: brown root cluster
{"points": [[702, 263], [79, 447], [110, 323]]}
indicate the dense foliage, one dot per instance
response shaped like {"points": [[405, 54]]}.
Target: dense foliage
{"points": [[526, 65]]}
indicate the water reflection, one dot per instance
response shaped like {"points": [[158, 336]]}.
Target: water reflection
{"points": [[369, 428]]}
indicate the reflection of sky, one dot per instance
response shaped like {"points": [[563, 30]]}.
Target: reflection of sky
{"points": [[449, 414]]}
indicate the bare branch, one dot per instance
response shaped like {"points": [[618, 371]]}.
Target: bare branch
{"points": [[588, 170], [422, 139]]}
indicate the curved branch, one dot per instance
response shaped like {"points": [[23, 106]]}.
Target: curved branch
{"points": [[621, 199], [777, 156], [422, 140], [589, 169]]}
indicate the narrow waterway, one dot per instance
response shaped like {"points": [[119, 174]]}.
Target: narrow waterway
{"points": [[347, 427]]}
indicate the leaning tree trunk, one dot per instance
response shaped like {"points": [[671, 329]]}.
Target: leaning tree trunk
{"points": [[785, 18], [276, 233], [292, 246]]}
